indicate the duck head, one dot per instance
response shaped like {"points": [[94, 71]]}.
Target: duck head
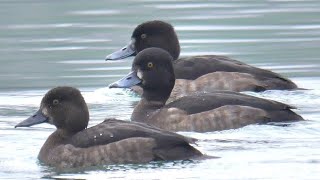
{"points": [[153, 71], [63, 107], [150, 34]]}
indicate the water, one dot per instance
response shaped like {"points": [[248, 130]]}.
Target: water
{"points": [[47, 43]]}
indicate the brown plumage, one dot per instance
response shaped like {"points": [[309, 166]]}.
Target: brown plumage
{"points": [[162, 35], [152, 70], [232, 81], [110, 142]]}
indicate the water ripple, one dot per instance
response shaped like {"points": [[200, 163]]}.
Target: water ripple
{"points": [[96, 12], [245, 28]]}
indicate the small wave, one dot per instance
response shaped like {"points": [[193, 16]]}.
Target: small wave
{"points": [[64, 25], [245, 28], [96, 12], [89, 61], [199, 5], [104, 68], [68, 40], [104, 95], [246, 41], [206, 17]]}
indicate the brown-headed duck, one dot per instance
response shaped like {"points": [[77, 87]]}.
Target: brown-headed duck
{"points": [[201, 73], [113, 141], [152, 70]]}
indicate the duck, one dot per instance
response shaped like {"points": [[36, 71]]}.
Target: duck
{"points": [[153, 71], [205, 73], [73, 145]]}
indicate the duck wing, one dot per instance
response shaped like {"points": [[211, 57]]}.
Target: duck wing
{"points": [[200, 102], [112, 130], [196, 66]]}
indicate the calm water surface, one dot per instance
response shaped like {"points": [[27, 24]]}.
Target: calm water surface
{"points": [[47, 43]]}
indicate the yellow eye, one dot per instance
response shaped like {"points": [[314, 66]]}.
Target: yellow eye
{"points": [[143, 36], [150, 65], [55, 102]]}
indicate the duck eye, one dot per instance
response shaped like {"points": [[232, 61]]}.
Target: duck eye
{"points": [[55, 102], [150, 65], [143, 36]]}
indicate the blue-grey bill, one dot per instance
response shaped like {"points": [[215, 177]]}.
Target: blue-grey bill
{"points": [[37, 118], [124, 52], [128, 81]]}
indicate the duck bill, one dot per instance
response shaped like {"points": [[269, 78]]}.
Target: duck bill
{"points": [[37, 118], [128, 81], [124, 52]]}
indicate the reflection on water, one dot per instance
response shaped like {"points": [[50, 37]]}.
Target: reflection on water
{"points": [[48, 43]]}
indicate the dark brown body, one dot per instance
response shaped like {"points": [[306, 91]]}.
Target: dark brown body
{"points": [[113, 141], [152, 70], [211, 72], [212, 112]]}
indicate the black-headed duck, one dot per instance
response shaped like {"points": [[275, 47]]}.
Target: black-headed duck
{"points": [[113, 141], [201, 73], [153, 71]]}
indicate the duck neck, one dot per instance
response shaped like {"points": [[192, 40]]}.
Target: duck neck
{"points": [[156, 94], [145, 108]]}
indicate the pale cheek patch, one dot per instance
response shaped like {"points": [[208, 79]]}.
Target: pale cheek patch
{"points": [[139, 74], [45, 111]]}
